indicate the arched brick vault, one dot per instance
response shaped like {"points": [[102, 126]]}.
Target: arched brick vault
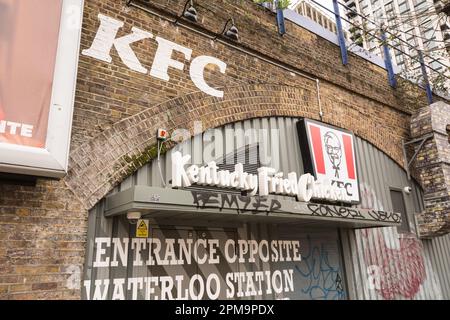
{"points": [[103, 162]]}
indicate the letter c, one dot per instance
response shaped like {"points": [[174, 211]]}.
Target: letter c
{"points": [[348, 189], [197, 70], [305, 193], [196, 255]]}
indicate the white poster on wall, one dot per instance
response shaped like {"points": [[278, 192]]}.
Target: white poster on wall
{"points": [[39, 48]]}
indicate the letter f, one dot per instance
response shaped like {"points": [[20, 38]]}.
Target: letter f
{"points": [[106, 38]]}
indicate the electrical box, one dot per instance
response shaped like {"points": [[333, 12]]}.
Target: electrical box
{"points": [[162, 135]]}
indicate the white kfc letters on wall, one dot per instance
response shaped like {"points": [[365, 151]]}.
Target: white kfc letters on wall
{"points": [[106, 38]]}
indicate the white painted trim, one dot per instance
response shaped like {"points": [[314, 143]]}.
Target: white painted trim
{"points": [[52, 161]]}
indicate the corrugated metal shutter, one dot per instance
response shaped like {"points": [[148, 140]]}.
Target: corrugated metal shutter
{"points": [[362, 248]]}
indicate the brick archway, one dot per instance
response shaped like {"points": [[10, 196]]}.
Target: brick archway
{"points": [[106, 160]]}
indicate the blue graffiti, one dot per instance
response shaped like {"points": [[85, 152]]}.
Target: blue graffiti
{"points": [[323, 280]]}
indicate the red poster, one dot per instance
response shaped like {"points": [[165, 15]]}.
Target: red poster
{"points": [[29, 32]]}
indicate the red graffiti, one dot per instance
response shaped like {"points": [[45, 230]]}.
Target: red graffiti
{"points": [[400, 271]]}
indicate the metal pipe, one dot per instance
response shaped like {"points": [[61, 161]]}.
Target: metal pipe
{"points": [[405, 159], [425, 78], [318, 100], [340, 33], [280, 19], [387, 60], [159, 163]]}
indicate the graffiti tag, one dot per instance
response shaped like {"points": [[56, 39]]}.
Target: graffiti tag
{"points": [[394, 272], [323, 279], [232, 201], [385, 216], [324, 210]]}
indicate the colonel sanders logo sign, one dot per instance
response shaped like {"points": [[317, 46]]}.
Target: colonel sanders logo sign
{"points": [[334, 151], [329, 153]]}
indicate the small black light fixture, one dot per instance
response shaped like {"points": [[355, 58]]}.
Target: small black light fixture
{"points": [[232, 32], [189, 13]]}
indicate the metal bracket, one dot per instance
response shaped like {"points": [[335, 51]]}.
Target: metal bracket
{"points": [[340, 33], [422, 141], [280, 19], [388, 60], [425, 78]]}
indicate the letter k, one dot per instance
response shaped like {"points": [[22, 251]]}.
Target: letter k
{"points": [[179, 176], [106, 38]]}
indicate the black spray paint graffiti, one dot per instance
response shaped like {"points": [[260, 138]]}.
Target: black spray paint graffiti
{"points": [[385, 216], [264, 204], [232, 201], [324, 210]]}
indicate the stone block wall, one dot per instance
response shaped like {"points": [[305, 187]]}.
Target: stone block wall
{"points": [[433, 167]]}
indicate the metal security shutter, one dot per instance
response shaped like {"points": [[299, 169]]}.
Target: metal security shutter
{"points": [[320, 274]]}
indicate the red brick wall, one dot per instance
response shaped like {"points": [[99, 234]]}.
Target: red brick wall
{"points": [[43, 228]]}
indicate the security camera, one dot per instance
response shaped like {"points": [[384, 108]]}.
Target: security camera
{"points": [[133, 216], [407, 189]]}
